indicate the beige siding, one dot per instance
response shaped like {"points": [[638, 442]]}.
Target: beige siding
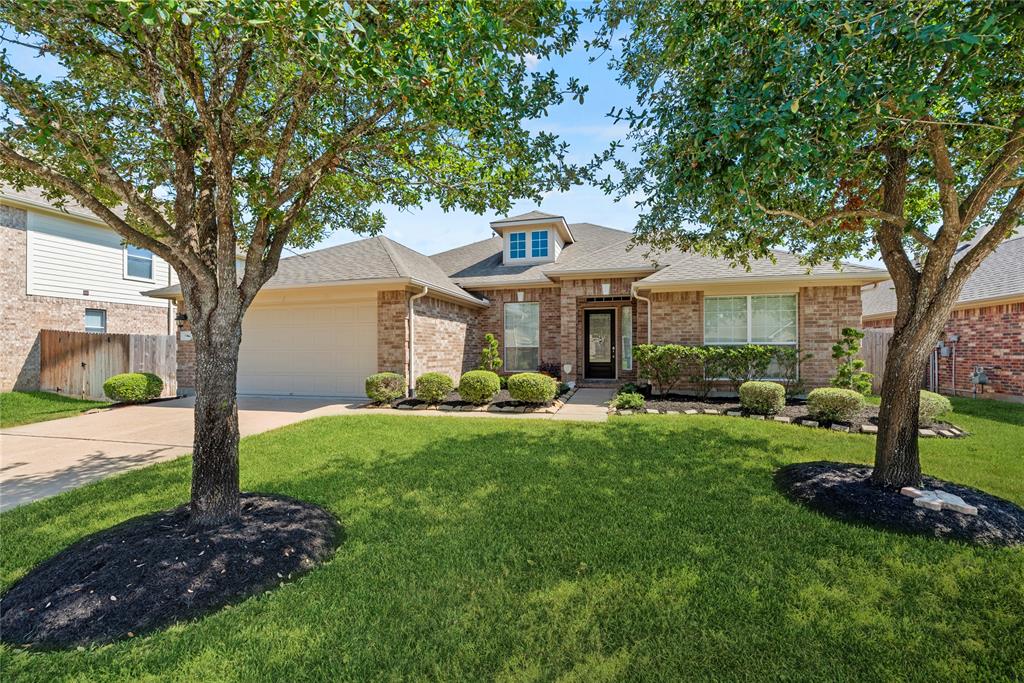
{"points": [[66, 257]]}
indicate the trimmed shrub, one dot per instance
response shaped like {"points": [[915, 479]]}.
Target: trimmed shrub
{"points": [[763, 398], [133, 387], [532, 387], [385, 387], [932, 405], [433, 387], [661, 364], [629, 401], [479, 386], [834, 405]]}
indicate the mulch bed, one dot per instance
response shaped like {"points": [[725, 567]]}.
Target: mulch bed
{"points": [[795, 409], [842, 491], [153, 570]]}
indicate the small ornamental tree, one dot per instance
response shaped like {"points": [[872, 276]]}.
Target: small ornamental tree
{"points": [[834, 129], [850, 374], [209, 132], [490, 357]]}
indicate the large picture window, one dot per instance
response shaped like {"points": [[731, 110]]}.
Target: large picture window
{"points": [[522, 337], [768, 319]]}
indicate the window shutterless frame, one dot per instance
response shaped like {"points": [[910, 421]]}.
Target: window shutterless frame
{"points": [[95, 320], [517, 245], [522, 336], [795, 344], [539, 244], [138, 264]]}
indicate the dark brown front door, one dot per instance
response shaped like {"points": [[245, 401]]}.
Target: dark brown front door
{"points": [[599, 329]]}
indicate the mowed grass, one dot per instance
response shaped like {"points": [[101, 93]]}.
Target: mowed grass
{"points": [[647, 548], [25, 407]]}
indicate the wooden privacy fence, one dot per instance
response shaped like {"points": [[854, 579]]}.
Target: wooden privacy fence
{"points": [[874, 348], [78, 363]]}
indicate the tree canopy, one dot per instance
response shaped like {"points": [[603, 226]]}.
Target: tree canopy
{"points": [[766, 124]]}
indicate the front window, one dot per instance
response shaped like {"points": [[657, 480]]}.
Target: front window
{"points": [[138, 263], [539, 244], [517, 245], [522, 336], [95, 320], [768, 319]]}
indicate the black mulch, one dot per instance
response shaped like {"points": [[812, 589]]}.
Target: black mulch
{"points": [[842, 491], [795, 409], [153, 570]]}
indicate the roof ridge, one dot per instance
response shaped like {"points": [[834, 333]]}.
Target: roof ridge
{"points": [[396, 260]]}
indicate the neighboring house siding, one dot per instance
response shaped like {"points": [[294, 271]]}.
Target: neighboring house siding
{"points": [[67, 257], [445, 338], [990, 336], [23, 315]]}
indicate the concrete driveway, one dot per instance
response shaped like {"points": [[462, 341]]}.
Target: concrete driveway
{"points": [[43, 459]]}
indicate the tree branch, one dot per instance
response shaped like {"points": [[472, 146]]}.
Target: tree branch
{"points": [[1000, 230], [1004, 166]]}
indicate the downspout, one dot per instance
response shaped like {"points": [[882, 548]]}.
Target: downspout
{"points": [[632, 290], [412, 339]]}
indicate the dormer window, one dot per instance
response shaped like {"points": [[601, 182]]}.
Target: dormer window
{"points": [[539, 244], [517, 245]]}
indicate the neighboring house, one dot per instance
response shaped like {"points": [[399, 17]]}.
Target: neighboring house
{"points": [[985, 329], [63, 269], [570, 297]]}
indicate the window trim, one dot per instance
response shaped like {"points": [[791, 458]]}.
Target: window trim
{"points": [[533, 244], [511, 254], [85, 320], [626, 332], [152, 265], [535, 305]]}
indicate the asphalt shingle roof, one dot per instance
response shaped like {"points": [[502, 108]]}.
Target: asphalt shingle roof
{"points": [[1000, 275]]}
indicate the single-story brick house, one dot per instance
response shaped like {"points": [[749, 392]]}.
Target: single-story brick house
{"points": [[985, 329], [568, 296]]}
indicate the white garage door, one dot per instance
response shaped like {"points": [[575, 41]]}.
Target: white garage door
{"points": [[308, 350]]}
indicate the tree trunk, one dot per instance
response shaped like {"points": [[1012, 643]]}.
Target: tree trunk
{"points": [[897, 463], [215, 485]]}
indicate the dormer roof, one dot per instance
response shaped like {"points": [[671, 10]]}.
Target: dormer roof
{"points": [[534, 219]]}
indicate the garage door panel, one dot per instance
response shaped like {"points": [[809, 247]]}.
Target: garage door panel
{"points": [[308, 350]]}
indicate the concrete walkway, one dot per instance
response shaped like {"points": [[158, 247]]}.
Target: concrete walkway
{"points": [[590, 405], [43, 459]]}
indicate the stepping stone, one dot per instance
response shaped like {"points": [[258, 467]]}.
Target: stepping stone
{"points": [[404, 406], [490, 409], [446, 407], [955, 431], [926, 432], [734, 413], [840, 428], [929, 502], [756, 417], [783, 418], [711, 411], [954, 502], [947, 433], [625, 412], [911, 492], [869, 429], [809, 423], [652, 411], [420, 406], [690, 411], [671, 412]]}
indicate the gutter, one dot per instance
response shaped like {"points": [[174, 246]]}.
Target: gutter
{"points": [[650, 305], [412, 339]]}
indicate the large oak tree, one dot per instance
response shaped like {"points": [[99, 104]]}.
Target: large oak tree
{"points": [[834, 128], [205, 130]]}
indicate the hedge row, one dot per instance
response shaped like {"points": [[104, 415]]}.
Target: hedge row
{"points": [[666, 365]]}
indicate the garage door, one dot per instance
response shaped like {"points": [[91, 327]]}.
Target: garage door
{"points": [[308, 350]]}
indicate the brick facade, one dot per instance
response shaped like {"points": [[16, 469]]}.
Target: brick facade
{"points": [[393, 332], [492, 320], [577, 295], [990, 336], [447, 338], [22, 316], [823, 313]]}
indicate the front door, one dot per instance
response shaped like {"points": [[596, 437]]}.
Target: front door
{"points": [[599, 328]]}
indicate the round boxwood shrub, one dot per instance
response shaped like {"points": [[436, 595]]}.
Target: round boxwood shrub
{"points": [[479, 386], [629, 400], [834, 405], [133, 387], [433, 387], [532, 387], [385, 387], [763, 398], [932, 405]]}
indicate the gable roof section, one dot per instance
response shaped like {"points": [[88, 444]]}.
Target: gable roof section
{"points": [[690, 267], [364, 261], [479, 265], [528, 216], [1000, 276]]}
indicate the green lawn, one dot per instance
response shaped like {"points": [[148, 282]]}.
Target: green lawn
{"points": [[24, 407], [647, 548]]}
